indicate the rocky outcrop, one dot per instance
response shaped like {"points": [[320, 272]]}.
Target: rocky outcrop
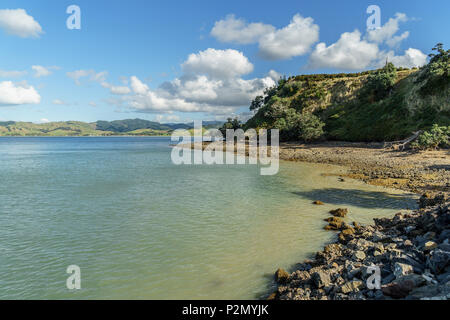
{"points": [[409, 254]]}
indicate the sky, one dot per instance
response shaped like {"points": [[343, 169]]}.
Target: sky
{"points": [[176, 61]]}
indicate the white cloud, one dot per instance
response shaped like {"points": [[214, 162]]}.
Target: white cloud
{"points": [[93, 76], [18, 23], [349, 52], [16, 94], [138, 86], [293, 40], [239, 31], [411, 58], [40, 71], [387, 32], [211, 83], [92, 104], [218, 63], [12, 74], [275, 76], [44, 120]]}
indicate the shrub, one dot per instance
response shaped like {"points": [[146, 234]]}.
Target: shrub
{"points": [[310, 127], [433, 139], [381, 82]]}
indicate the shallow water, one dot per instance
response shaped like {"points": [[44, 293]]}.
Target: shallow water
{"points": [[140, 227]]}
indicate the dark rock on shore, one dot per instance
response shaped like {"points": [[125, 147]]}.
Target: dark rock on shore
{"points": [[409, 256]]}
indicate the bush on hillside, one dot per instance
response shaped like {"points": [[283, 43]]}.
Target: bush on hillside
{"points": [[437, 137]]}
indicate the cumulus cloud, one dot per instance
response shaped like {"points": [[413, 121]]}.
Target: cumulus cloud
{"points": [[293, 40], [387, 32], [275, 76], [92, 75], [16, 94], [12, 74], [18, 23], [353, 52], [218, 63], [212, 82], [411, 58], [239, 31], [349, 52]]}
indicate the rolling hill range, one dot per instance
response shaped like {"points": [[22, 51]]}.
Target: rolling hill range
{"points": [[136, 127]]}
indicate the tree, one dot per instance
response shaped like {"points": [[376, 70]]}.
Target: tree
{"points": [[310, 127], [257, 103], [230, 124]]}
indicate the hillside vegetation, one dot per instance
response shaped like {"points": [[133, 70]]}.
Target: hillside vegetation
{"points": [[378, 105]]}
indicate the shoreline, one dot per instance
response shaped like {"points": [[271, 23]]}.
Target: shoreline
{"points": [[417, 172], [410, 250]]}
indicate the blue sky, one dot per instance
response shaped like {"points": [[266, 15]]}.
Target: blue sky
{"points": [[176, 61]]}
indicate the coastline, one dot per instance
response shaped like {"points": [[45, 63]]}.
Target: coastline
{"points": [[411, 250], [424, 172]]}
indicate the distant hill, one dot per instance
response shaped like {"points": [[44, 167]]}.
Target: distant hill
{"points": [[137, 127]]}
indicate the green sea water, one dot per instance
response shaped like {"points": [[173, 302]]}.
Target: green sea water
{"points": [[140, 227]]}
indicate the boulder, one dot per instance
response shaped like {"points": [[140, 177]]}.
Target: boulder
{"points": [[430, 199], [339, 212], [321, 279], [398, 289], [429, 245], [359, 255], [281, 276], [318, 202], [352, 286], [438, 261]]}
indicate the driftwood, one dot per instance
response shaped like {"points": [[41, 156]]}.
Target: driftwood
{"points": [[402, 144]]}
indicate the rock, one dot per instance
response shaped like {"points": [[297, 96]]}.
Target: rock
{"points": [[429, 245], [334, 219], [438, 261], [273, 296], [352, 286], [346, 234], [321, 279], [339, 212], [402, 269], [428, 291], [281, 276], [318, 202], [398, 289], [429, 199], [359, 255]]}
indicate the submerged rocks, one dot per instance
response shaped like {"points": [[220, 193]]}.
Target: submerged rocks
{"points": [[281, 276], [406, 257], [318, 202], [339, 212]]}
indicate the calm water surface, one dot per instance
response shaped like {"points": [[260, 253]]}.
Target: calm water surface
{"points": [[140, 227]]}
